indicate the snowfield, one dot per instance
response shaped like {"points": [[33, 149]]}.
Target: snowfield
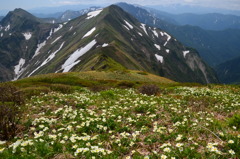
{"points": [[159, 58], [157, 46], [27, 35], [89, 32], [128, 24], [71, 61], [143, 26], [185, 53], [93, 14]]}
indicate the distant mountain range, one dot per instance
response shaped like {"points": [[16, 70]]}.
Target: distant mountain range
{"points": [[210, 21], [69, 14], [215, 47], [196, 9], [107, 39]]}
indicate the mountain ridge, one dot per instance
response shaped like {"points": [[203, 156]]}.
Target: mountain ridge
{"points": [[112, 39], [212, 46], [209, 21]]}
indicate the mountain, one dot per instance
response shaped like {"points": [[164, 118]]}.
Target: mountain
{"points": [[196, 9], [229, 71], [60, 9], [214, 47], [20, 33], [69, 14], [210, 21], [111, 39], [1, 17], [61, 17]]}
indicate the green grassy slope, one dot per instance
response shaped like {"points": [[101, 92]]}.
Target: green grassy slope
{"points": [[90, 78]]}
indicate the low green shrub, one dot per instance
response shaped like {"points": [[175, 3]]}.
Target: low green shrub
{"points": [[108, 94], [149, 89], [126, 84], [11, 108], [234, 121], [98, 88], [34, 91], [62, 88]]}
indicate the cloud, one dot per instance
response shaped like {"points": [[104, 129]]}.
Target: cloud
{"points": [[188, 1], [68, 2]]}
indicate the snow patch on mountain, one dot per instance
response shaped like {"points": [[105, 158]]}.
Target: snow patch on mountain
{"points": [[27, 35], [143, 26], [70, 28], [128, 24], [126, 27], [59, 27], [159, 58], [167, 50], [7, 27], [157, 46], [89, 33], [1, 34], [19, 68], [93, 14], [155, 33], [69, 67], [71, 61], [168, 38], [50, 57], [39, 46], [140, 34], [105, 45], [50, 33], [56, 39], [185, 53]]}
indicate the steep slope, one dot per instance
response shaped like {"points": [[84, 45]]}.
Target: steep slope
{"points": [[111, 39], [214, 47], [229, 72], [20, 35]]}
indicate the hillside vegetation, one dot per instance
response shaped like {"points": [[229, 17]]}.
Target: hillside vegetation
{"points": [[70, 117]]}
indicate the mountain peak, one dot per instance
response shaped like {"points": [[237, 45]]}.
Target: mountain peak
{"points": [[24, 14], [18, 15]]}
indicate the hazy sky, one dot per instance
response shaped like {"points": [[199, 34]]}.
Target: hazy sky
{"points": [[29, 4]]}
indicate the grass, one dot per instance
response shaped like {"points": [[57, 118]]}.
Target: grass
{"points": [[182, 121], [90, 79]]}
